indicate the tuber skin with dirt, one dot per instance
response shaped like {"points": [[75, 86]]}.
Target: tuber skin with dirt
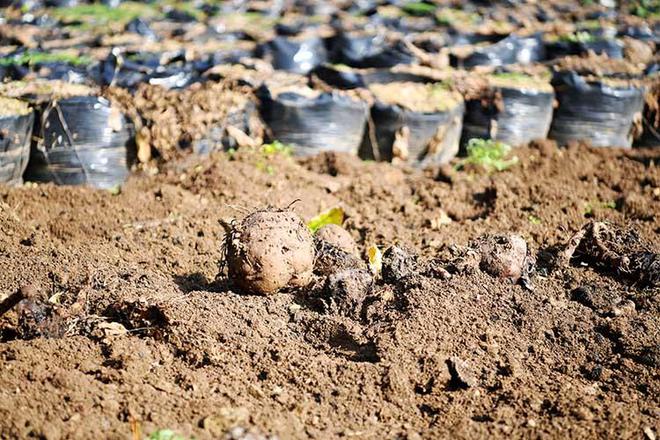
{"points": [[268, 251], [331, 259], [338, 237], [503, 256]]}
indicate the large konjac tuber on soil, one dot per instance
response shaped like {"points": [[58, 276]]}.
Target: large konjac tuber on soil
{"points": [[269, 250]]}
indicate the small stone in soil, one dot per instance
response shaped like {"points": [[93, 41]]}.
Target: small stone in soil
{"points": [[461, 376]]}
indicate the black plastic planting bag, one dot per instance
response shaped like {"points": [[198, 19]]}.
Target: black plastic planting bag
{"points": [[328, 122], [558, 49], [119, 69], [431, 138], [352, 79], [462, 39], [511, 50], [294, 55], [524, 115], [594, 111], [369, 51], [81, 141], [15, 137]]}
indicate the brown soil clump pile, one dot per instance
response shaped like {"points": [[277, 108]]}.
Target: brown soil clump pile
{"points": [[118, 322]]}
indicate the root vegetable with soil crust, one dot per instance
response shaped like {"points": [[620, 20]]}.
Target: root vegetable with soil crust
{"points": [[269, 250], [505, 256], [331, 259], [338, 237]]}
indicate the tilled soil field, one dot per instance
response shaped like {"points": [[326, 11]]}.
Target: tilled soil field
{"points": [[295, 219], [127, 324]]}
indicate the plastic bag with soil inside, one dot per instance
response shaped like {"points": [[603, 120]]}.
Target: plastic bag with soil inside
{"points": [[294, 54], [601, 111], [368, 51], [128, 70], [520, 110], [417, 123], [82, 140], [16, 121], [511, 50], [558, 49], [344, 77], [312, 121]]}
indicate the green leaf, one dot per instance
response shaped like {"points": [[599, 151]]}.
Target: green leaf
{"points": [[333, 216], [418, 8], [165, 434], [276, 147], [489, 154]]}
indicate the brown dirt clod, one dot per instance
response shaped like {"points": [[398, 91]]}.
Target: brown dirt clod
{"points": [[345, 292]]}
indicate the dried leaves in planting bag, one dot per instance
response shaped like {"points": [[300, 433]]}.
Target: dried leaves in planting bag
{"points": [[511, 50], [417, 123], [16, 121], [369, 51], [313, 122], [295, 54], [651, 116], [220, 136], [520, 110], [81, 140], [602, 111]]}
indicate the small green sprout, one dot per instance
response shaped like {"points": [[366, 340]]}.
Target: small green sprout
{"points": [[103, 14], [115, 190], [489, 154], [534, 219], [267, 151], [166, 434], [35, 57], [334, 216], [265, 167], [589, 207], [276, 147], [646, 8], [418, 8], [577, 37]]}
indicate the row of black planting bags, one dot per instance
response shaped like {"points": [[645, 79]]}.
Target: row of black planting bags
{"points": [[303, 53], [85, 140]]}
